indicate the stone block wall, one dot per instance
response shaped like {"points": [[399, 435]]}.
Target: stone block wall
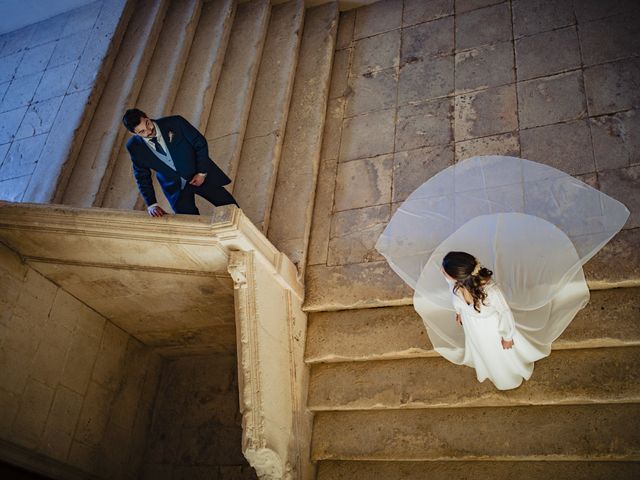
{"points": [[50, 74], [196, 430], [76, 392]]}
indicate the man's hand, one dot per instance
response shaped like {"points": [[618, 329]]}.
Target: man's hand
{"points": [[198, 179], [156, 211], [506, 344]]}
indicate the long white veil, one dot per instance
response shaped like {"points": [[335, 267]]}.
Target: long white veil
{"points": [[533, 225]]}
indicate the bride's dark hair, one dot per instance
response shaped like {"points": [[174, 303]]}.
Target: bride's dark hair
{"points": [[468, 274]]}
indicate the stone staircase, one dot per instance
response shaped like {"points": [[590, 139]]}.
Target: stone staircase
{"points": [[387, 406], [252, 76]]}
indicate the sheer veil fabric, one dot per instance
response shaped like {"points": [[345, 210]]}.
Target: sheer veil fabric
{"points": [[533, 225]]}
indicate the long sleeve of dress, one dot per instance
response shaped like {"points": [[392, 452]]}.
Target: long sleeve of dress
{"points": [[507, 324]]}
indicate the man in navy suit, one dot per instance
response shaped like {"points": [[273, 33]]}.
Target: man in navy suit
{"points": [[178, 153]]}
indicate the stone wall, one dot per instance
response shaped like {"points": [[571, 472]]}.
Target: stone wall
{"points": [[76, 392], [50, 74], [196, 430]]}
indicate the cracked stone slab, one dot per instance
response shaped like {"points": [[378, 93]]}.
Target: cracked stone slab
{"points": [[484, 113]]}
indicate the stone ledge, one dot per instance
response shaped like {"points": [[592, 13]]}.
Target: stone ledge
{"points": [[576, 432], [609, 320], [376, 285], [569, 377], [399, 470]]}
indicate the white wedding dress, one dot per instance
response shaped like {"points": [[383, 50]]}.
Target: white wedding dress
{"points": [[533, 225]]}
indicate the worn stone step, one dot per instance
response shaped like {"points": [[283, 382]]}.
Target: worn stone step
{"points": [[610, 319], [232, 101], [204, 63], [559, 432], [477, 470], [157, 94], [290, 220], [374, 284], [105, 135], [602, 375], [262, 145]]}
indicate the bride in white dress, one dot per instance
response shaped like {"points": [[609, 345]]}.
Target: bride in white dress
{"points": [[528, 229]]}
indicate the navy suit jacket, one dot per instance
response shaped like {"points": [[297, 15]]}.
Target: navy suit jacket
{"points": [[190, 155]]}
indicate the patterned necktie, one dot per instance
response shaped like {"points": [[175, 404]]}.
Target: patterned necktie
{"points": [[159, 148]]}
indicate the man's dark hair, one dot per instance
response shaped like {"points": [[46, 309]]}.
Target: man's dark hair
{"points": [[132, 117]]}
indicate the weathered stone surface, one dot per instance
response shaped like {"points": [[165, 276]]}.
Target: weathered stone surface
{"points": [[610, 38], [21, 91], [204, 62], [368, 135], [378, 18], [345, 29], [10, 122], [592, 9], [69, 49], [36, 59], [21, 158], [551, 100], [424, 125], [333, 129], [427, 39], [414, 167], [532, 53], [422, 80], [55, 81], [623, 184], [377, 90], [483, 67], [102, 143], [354, 286], [64, 141], [39, 118], [292, 207], [468, 5], [376, 53], [609, 320], [322, 213], [485, 113], [605, 375], [61, 423], [32, 416], [535, 16], [366, 334], [340, 73], [505, 144], [577, 432], [9, 66], [362, 183], [612, 87], [496, 26], [616, 139], [354, 234], [157, 95], [234, 92], [418, 11], [527, 470], [618, 263], [566, 146]]}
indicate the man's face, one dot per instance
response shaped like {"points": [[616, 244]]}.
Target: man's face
{"points": [[145, 128]]}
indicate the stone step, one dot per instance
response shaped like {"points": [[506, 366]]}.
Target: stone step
{"points": [[204, 63], [603, 375], [290, 219], [610, 319], [477, 470], [232, 101], [559, 432], [157, 94], [262, 145], [374, 284], [105, 135]]}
